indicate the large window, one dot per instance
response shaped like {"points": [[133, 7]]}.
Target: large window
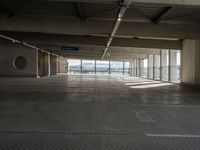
{"points": [[102, 67], [116, 67], [98, 67], [74, 66], [88, 66]]}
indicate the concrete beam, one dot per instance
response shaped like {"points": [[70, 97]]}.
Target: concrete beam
{"points": [[85, 1], [87, 50], [115, 58], [165, 2], [160, 31], [55, 26], [170, 2], [147, 43], [55, 39], [100, 28]]}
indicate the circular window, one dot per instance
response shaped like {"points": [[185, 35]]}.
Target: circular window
{"points": [[20, 62]]}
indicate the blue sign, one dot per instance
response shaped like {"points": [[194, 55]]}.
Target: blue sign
{"points": [[70, 48]]}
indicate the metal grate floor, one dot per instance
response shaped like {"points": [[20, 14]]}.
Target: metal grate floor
{"points": [[97, 113], [75, 141]]}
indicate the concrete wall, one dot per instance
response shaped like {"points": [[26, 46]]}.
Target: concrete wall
{"points": [[8, 52], [191, 62]]}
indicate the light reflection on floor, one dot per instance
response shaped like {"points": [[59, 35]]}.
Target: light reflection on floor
{"points": [[140, 83]]}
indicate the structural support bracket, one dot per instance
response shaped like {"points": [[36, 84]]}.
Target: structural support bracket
{"points": [[80, 11], [157, 19]]}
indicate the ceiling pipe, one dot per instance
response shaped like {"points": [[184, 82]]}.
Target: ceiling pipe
{"points": [[123, 6], [26, 44]]}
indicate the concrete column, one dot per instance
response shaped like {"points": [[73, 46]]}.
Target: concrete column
{"points": [[161, 68], [47, 64], [191, 62], [62, 65], [130, 68], [153, 66], [123, 67], [150, 66], [134, 67], [141, 67], [148, 72], [173, 65], [95, 67], [138, 67], [109, 68], [37, 67], [53, 65], [157, 67], [165, 65], [169, 68], [40, 63], [81, 71]]}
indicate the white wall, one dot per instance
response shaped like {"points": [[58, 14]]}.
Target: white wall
{"points": [[8, 52]]}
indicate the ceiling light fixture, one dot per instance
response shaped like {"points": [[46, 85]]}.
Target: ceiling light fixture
{"points": [[119, 19]]}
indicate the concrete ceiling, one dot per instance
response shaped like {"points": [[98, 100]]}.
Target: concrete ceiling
{"points": [[50, 24]]}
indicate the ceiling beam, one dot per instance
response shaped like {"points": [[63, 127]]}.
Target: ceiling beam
{"points": [[85, 1], [87, 50], [179, 31], [115, 58], [98, 28], [147, 43], [163, 2], [169, 2], [70, 40]]}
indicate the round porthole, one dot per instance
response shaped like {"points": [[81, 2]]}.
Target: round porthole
{"points": [[20, 63]]}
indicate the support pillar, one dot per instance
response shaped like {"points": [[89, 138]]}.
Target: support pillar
{"points": [[53, 65], [161, 68], [123, 67], [191, 62], [95, 67], [109, 68]]}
